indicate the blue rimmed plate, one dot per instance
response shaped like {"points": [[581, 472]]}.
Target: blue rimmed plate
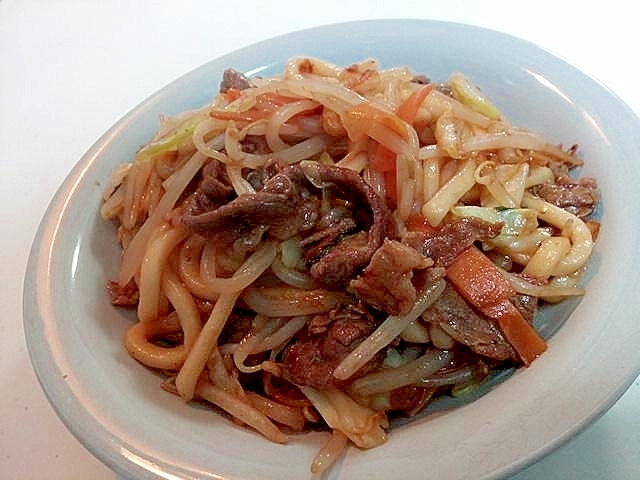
{"points": [[116, 408]]}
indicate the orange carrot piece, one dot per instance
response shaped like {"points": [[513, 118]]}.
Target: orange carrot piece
{"points": [[480, 282], [384, 160], [417, 223], [273, 100], [390, 181], [364, 118], [521, 335], [408, 109], [233, 94]]}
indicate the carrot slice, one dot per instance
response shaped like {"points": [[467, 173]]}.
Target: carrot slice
{"points": [[384, 160], [365, 119], [390, 181], [408, 109], [480, 282], [417, 223], [520, 334]]}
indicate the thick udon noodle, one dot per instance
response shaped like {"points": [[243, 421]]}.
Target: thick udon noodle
{"points": [[452, 153]]}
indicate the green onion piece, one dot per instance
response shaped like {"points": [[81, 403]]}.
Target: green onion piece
{"points": [[465, 91], [182, 133]]}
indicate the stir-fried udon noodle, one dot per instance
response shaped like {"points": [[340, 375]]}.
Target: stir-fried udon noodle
{"points": [[334, 247]]}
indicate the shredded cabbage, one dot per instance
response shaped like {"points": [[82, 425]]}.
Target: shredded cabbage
{"points": [[515, 221]]}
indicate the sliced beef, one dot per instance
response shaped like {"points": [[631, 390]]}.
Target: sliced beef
{"points": [[232, 79], [286, 204], [240, 324], [341, 263], [444, 243], [311, 359], [410, 399], [527, 305], [452, 313], [579, 198], [259, 176], [215, 183], [323, 239], [385, 283], [256, 144], [197, 203], [283, 207], [123, 296], [213, 189], [348, 312]]}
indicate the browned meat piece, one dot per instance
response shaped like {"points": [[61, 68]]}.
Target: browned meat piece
{"points": [[527, 305], [123, 296], [282, 207], [452, 313], [385, 283], [238, 325], [258, 145], [258, 177], [316, 243], [578, 198], [444, 243], [232, 79], [311, 359], [410, 400], [213, 190], [343, 261], [287, 205], [319, 323], [215, 182]]}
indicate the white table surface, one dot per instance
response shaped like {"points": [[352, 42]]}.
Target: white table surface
{"points": [[70, 69]]}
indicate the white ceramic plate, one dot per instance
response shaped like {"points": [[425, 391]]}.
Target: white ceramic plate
{"points": [[116, 408]]}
